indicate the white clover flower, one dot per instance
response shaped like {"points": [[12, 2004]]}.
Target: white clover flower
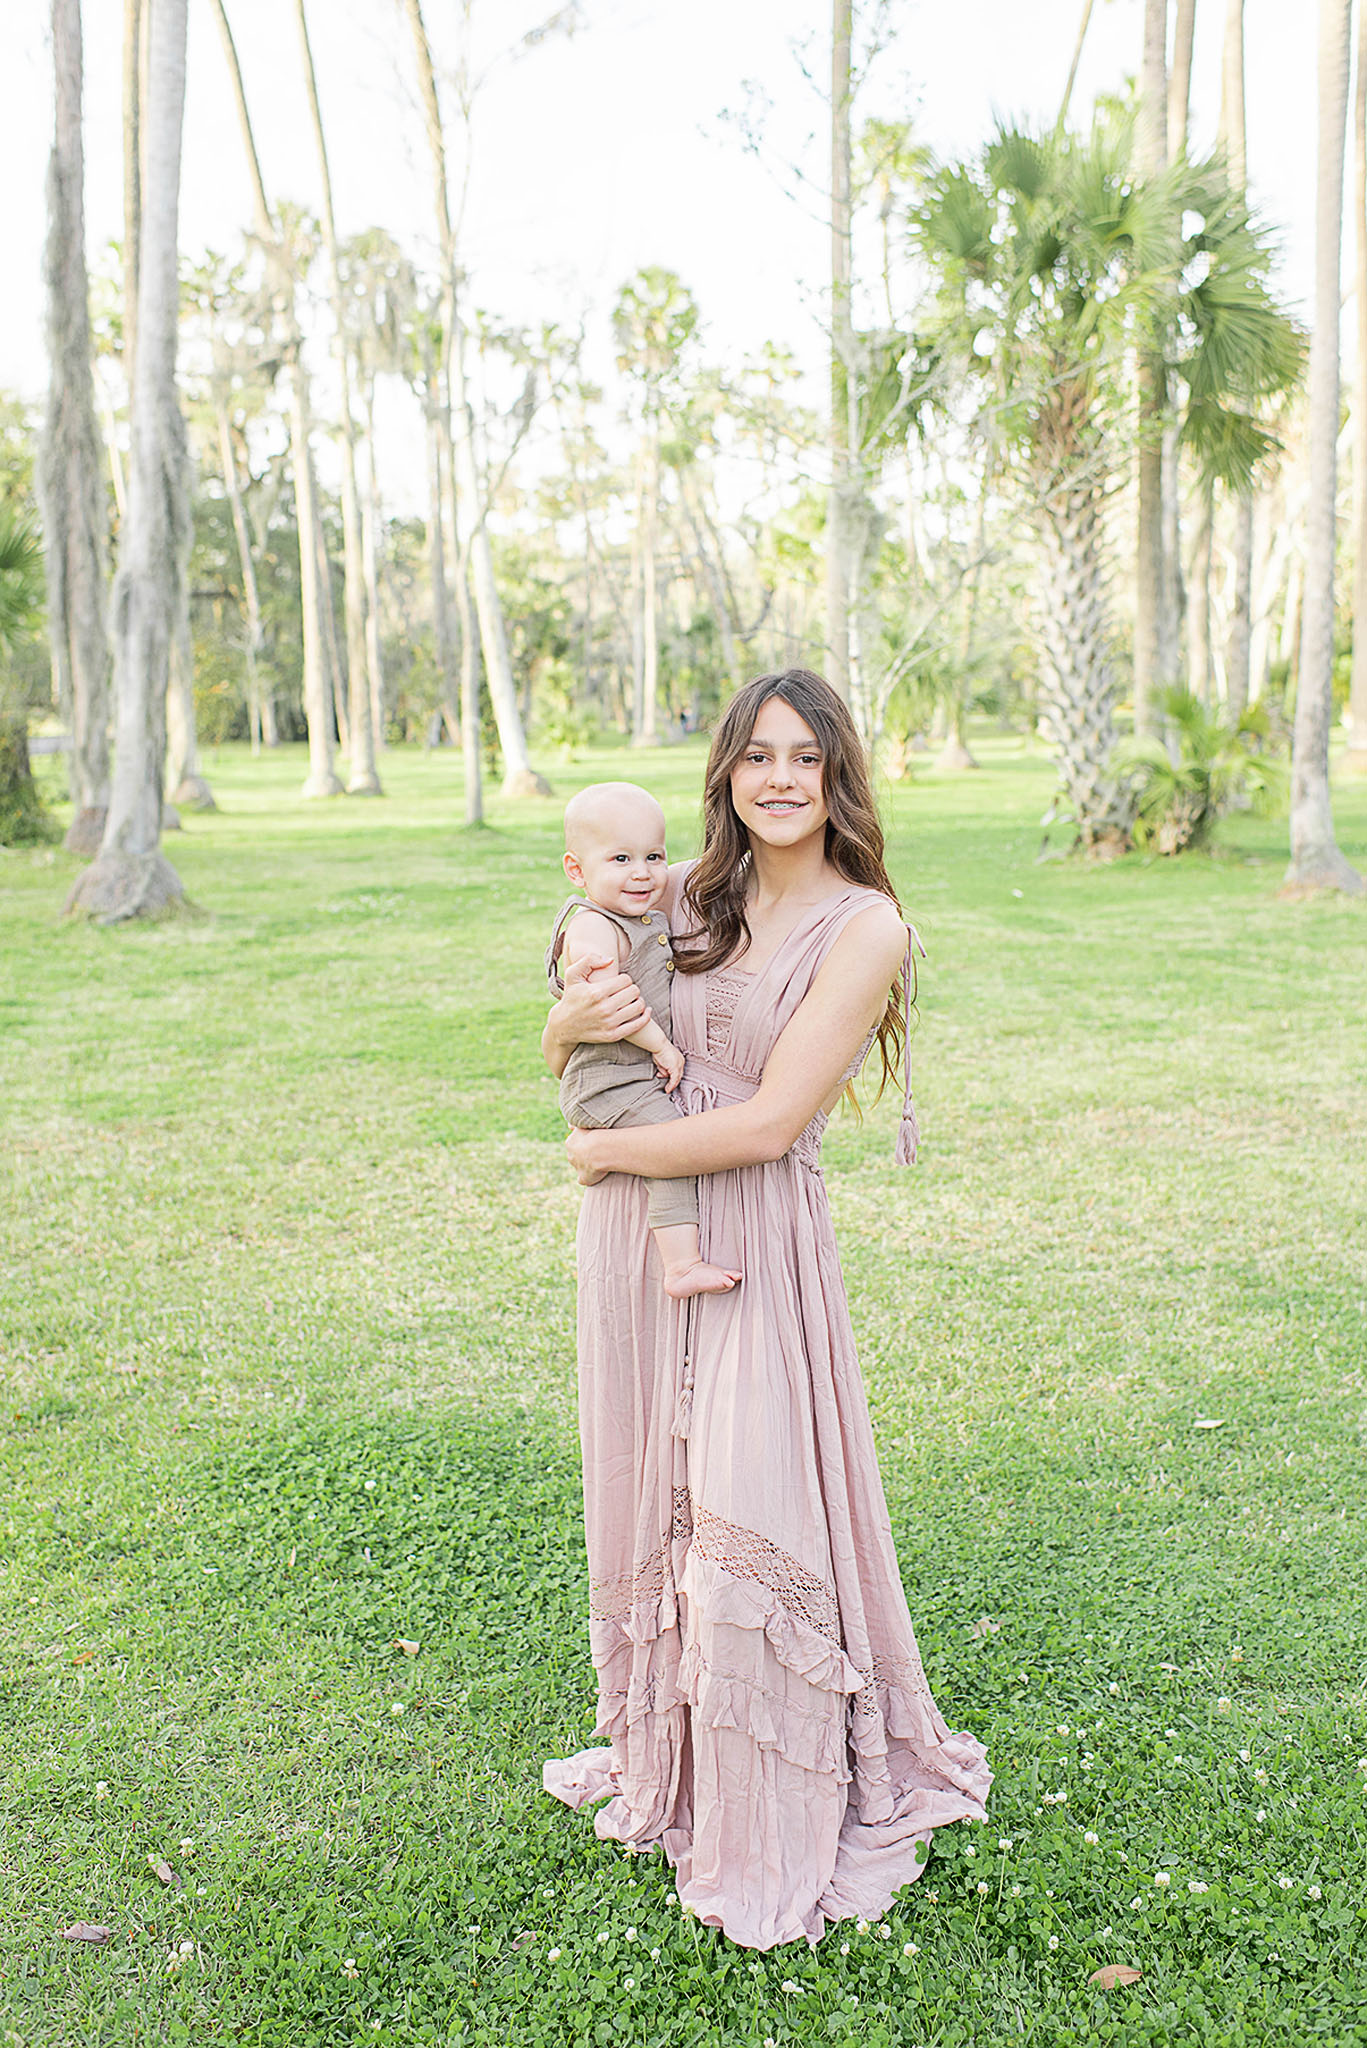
{"points": [[173, 1963], [1194, 1885], [1091, 1839], [1163, 1877], [1261, 1814], [187, 1848], [1260, 1776], [983, 1888], [1314, 1892], [1015, 1891], [791, 1986], [187, 1948], [1106, 1933], [553, 1955], [349, 1968], [102, 1788], [1113, 1687], [654, 1955], [370, 1486], [1245, 1756], [1053, 1941], [1362, 1766], [909, 1948], [602, 1934], [884, 1931], [1222, 1705], [1062, 1728], [861, 1926], [970, 1850], [1236, 1655], [844, 1948], [628, 1983], [630, 1934], [934, 1898], [1006, 1843], [1286, 1883], [398, 1707]]}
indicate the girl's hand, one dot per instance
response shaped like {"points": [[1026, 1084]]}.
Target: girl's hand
{"points": [[600, 1004], [583, 1147]]}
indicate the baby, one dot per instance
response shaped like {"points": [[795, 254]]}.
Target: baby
{"points": [[615, 853]]}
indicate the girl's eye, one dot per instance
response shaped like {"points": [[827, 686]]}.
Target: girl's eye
{"points": [[754, 760]]}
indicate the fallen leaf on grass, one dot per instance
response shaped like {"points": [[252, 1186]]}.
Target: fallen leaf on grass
{"points": [[163, 1870], [85, 1930], [1113, 1975], [83, 1657], [1208, 1422], [985, 1626], [409, 1649], [525, 1939]]}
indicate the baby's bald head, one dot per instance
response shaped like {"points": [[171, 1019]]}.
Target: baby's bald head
{"points": [[608, 811]]}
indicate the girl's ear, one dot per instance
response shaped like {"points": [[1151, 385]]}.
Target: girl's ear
{"points": [[573, 871]]}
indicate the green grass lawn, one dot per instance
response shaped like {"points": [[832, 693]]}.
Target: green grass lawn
{"points": [[288, 1380]]}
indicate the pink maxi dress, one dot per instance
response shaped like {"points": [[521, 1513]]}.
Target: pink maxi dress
{"points": [[762, 1708]]}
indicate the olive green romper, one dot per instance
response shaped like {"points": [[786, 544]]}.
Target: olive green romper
{"points": [[607, 1085]]}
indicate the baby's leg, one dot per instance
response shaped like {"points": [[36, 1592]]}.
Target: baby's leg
{"points": [[672, 1212]]}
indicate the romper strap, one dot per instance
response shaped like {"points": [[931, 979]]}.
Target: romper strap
{"points": [[557, 944], [909, 1132]]}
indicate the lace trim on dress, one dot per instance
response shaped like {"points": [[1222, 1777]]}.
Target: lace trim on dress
{"points": [[723, 993], [745, 1554], [614, 1599]]}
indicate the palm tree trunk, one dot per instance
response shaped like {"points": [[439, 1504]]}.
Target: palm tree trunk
{"points": [[647, 729], [839, 577], [1077, 688], [130, 877], [251, 599], [1316, 862], [1232, 139], [1065, 102], [1357, 696], [447, 684], [1198, 611], [321, 780], [70, 488], [132, 176], [370, 557], [1151, 631], [519, 777], [364, 779]]}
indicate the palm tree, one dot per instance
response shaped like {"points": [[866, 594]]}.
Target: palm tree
{"points": [[1316, 862], [71, 492], [1052, 260], [130, 877]]}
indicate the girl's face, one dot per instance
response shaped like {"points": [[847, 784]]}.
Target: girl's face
{"points": [[776, 784]]}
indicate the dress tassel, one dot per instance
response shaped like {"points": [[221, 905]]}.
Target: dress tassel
{"points": [[909, 1132]]}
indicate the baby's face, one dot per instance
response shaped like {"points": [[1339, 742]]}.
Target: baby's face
{"points": [[627, 872]]}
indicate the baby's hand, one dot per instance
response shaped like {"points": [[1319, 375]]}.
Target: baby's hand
{"points": [[669, 1064]]}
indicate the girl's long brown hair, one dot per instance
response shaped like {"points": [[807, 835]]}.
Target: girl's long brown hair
{"points": [[714, 891]]}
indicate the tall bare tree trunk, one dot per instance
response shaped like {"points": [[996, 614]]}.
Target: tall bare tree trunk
{"points": [[448, 686], [1151, 576], [1357, 698], [1316, 862], [1066, 101], [370, 561], [130, 877], [839, 580], [70, 486], [251, 599], [519, 777], [1179, 78], [1198, 612], [321, 780], [646, 726], [132, 176], [1233, 140], [364, 779]]}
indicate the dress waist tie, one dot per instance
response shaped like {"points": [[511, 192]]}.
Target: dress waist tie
{"points": [[909, 1132]]}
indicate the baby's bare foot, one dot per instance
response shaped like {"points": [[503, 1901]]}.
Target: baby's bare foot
{"points": [[683, 1282]]}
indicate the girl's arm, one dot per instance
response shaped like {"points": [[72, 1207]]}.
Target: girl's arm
{"points": [[802, 1074], [600, 1005]]}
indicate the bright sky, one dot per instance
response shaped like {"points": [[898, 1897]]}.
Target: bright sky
{"points": [[597, 154]]}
